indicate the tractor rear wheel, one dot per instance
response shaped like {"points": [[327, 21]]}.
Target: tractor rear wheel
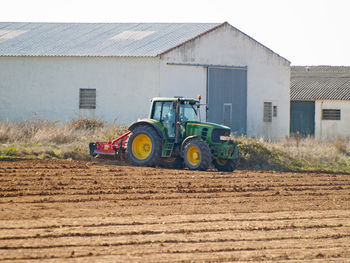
{"points": [[144, 146], [227, 165], [197, 155]]}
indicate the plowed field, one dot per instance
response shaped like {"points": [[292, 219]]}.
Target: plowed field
{"points": [[75, 211]]}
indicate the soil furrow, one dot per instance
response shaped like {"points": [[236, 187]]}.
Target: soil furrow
{"points": [[193, 222]]}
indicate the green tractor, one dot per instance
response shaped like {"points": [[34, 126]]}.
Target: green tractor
{"points": [[173, 137]]}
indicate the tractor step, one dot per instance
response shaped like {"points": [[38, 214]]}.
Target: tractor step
{"points": [[167, 149]]}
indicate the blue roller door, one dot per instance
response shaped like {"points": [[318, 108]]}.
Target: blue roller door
{"points": [[227, 98], [302, 118]]}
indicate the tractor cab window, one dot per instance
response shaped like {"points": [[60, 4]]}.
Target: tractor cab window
{"points": [[187, 112], [165, 111], [157, 110]]}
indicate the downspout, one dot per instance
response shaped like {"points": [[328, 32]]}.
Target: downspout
{"points": [[321, 120], [159, 65], [207, 93]]}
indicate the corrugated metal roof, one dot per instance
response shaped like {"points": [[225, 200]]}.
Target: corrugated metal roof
{"points": [[312, 83], [96, 39], [102, 39]]}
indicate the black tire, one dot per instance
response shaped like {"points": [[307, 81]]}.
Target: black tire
{"points": [[197, 155], [225, 165], [145, 152], [93, 147], [172, 163]]}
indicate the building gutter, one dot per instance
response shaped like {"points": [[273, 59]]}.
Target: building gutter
{"points": [[207, 65]]}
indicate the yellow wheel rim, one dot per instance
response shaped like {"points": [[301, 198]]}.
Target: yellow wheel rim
{"points": [[221, 162], [141, 146], [193, 155]]}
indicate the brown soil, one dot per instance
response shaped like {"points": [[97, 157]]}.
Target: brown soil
{"points": [[75, 211]]}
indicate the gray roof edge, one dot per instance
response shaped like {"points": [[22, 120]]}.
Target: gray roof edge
{"points": [[295, 98], [320, 68], [322, 71], [84, 56]]}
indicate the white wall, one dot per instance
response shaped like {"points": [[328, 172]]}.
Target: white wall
{"points": [[330, 129], [186, 81], [268, 75], [49, 87]]}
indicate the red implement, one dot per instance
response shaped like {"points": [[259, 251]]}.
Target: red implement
{"points": [[111, 147]]}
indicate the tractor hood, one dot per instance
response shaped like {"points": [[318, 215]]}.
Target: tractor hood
{"points": [[208, 124]]}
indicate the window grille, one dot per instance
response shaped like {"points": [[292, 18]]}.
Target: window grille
{"points": [[87, 99], [274, 112], [267, 111], [328, 114]]}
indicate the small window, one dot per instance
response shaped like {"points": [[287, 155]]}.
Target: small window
{"points": [[157, 110], [87, 99], [267, 111], [274, 112], [328, 114]]}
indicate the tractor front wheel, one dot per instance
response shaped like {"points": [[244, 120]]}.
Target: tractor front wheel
{"points": [[197, 155], [144, 146]]}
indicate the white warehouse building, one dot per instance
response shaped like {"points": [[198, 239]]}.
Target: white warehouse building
{"points": [[63, 71]]}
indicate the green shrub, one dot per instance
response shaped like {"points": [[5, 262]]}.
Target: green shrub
{"points": [[256, 155], [10, 151]]}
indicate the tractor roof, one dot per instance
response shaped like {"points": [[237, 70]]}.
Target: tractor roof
{"points": [[175, 99]]}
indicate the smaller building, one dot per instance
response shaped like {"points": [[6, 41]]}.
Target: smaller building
{"points": [[320, 101]]}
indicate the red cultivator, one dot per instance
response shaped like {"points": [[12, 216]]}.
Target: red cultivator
{"points": [[112, 148]]}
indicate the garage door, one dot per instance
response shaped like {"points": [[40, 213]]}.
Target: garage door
{"points": [[302, 117], [227, 98]]}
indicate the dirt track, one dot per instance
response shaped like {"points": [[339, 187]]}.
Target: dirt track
{"points": [[69, 211]]}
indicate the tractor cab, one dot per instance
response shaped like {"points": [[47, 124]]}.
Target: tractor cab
{"points": [[174, 114]]}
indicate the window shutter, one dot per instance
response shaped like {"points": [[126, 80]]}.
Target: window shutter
{"points": [[267, 111], [87, 99], [328, 114]]}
